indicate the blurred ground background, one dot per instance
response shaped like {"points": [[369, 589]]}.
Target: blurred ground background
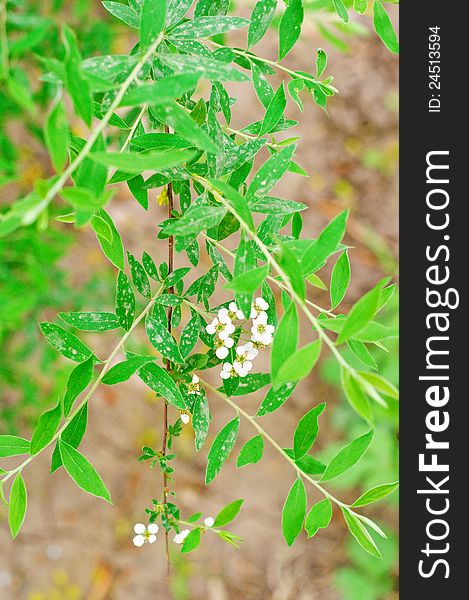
{"points": [[75, 547]]}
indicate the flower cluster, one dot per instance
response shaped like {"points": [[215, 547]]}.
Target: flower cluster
{"points": [[181, 536], [223, 328]]}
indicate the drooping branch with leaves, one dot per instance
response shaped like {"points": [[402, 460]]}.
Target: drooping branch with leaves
{"points": [[151, 126]]}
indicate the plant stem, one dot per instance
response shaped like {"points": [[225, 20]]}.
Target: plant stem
{"points": [[106, 365], [168, 365], [4, 52]]}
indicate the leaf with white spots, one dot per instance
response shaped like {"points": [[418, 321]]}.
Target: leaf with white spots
{"points": [[201, 418], [162, 340], [65, 342], [275, 398], [290, 27], [261, 18], [189, 336], [204, 27], [270, 172], [139, 276], [161, 382], [91, 321], [221, 448], [125, 302]]}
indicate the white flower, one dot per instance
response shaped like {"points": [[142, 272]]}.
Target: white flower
{"points": [[228, 371], [209, 522], [235, 312], [185, 418], [221, 326], [261, 330], [244, 355], [222, 347], [194, 387], [181, 536], [259, 306], [145, 534]]}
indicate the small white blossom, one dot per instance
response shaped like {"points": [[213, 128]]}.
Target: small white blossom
{"points": [[222, 347], [244, 355], [181, 536], [194, 387], [235, 312], [261, 331], [209, 522], [185, 418], [259, 306], [222, 327], [145, 534], [228, 371]]}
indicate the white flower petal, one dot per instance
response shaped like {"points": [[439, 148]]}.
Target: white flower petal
{"points": [[222, 352], [227, 367], [232, 306], [209, 522], [138, 541], [210, 329], [253, 313], [262, 304], [195, 379], [152, 539], [229, 342], [153, 528], [247, 365], [240, 350], [177, 539], [225, 375], [223, 334], [230, 328], [261, 319], [139, 528], [269, 329], [240, 315], [185, 418]]}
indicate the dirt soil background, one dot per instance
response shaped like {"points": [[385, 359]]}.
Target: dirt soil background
{"points": [[73, 546]]}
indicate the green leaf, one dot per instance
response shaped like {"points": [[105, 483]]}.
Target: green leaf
{"points": [[384, 27], [65, 342], [285, 340], [192, 541], [91, 321], [77, 85], [176, 10], [139, 276], [249, 281], [275, 398], [251, 383], [360, 314], [150, 267], [72, 434], [164, 90], [306, 431], [124, 13], [275, 110], [376, 493], [262, 87], [195, 220], [228, 513], [318, 517], [82, 472], [204, 27], [221, 449], [271, 172], [125, 302], [307, 463], [276, 206], [340, 279], [17, 505], [300, 364], [381, 384], [341, 10], [56, 135], [360, 533], [152, 20], [236, 201], [214, 70], [261, 18], [160, 382], [114, 250], [162, 340], [290, 27], [360, 6], [176, 117], [200, 420], [293, 513], [125, 369], [321, 62], [251, 452], [46, 428], [327, 243], [189, 336], [355, 395], [347, 457], [12, 445], [133, 162], [291, 267]]}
